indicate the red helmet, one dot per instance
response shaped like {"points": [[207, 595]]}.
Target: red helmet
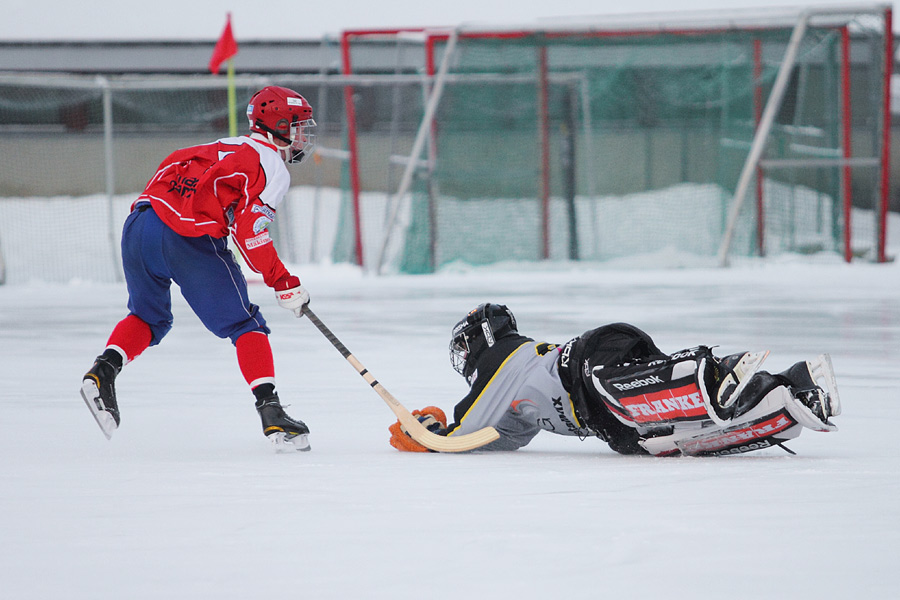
{"points": [[279, 113]]}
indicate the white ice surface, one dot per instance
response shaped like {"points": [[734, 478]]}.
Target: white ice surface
{"points": [[189, 501]]}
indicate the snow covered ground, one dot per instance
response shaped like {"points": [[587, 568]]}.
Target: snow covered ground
{"points": [[189, 501]]}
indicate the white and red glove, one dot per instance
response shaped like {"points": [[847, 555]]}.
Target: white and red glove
{"points": [[291, 295]]}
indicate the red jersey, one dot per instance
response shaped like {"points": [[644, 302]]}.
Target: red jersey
{"points": [[232, 185]]}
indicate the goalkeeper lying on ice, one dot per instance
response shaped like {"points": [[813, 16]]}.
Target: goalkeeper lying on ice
{"points": [[614, 383]]}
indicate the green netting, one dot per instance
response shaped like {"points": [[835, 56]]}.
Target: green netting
{"points": [[648, 135]]}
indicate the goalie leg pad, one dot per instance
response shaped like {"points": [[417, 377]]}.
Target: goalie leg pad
{"points": [[736, 439], [776, 417], [658, 393], [767, 424]]}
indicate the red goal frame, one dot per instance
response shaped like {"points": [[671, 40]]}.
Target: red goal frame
{"points": [[435, 36]]}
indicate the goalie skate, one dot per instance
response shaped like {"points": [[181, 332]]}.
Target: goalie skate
{"points": [[91, 395], [814, 395], [822, 372], [742, 371]]}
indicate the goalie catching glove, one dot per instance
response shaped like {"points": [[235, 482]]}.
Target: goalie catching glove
{"points": [[291, 295], [431, 417]]}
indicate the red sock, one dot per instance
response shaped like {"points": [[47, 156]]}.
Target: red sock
{"points": [[254, 356], [130, 337]]}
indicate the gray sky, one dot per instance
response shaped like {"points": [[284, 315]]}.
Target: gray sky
{"points": [[41, 20]]}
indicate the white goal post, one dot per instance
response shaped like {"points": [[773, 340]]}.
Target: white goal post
{"points": [[774, 103]]}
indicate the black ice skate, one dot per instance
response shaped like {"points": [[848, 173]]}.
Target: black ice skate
{"points": [[99, 392], [812, 385], [285, 433]]}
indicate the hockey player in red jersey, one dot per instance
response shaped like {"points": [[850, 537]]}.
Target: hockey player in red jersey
{"points": [[614, 383], [178, 230]]}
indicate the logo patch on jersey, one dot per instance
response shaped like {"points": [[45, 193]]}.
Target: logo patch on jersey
{"points": [[264, 210], [260, 240], [262, 223]]}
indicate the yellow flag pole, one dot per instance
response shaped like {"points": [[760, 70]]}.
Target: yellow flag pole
{"points": [[232, 131], [232, 114]]}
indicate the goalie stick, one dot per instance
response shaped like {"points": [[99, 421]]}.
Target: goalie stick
{"points": [[417, 431]]}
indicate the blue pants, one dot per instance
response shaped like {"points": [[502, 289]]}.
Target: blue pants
{"points": [[211, 281]]}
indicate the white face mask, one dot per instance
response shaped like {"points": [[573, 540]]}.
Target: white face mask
{"points": [[302, 141]]}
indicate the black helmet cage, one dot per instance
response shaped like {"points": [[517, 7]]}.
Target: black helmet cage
{"points": [[477, 331]]}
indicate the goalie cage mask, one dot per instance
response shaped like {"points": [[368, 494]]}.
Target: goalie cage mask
{"points": [[478, 331]]}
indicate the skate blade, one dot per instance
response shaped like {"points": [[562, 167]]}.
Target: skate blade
{"points": [[286, 445], [90, 394]]}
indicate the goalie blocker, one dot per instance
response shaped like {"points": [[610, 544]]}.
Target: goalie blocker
{"points": [[641, 400]]}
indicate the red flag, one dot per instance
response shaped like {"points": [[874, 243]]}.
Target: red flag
{"points": [[225, 48]]}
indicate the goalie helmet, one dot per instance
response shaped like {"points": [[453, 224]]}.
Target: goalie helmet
{"points": [[478, 331], [280, 113]]}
